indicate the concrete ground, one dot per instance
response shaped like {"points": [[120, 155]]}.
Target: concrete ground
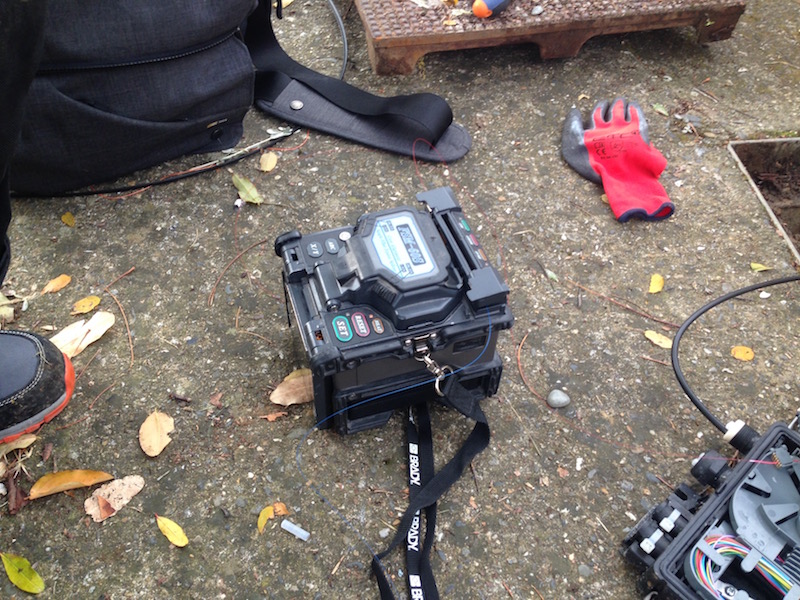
{"points": [[544, 510]]}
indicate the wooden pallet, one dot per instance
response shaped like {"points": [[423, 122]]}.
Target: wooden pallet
{"points": [[400, 32]]}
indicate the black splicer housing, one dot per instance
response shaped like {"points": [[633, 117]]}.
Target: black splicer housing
{"points": [[371, 300]]}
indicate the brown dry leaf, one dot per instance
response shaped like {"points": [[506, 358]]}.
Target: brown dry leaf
{"points": [[56, 284], [743, 353], [562, 472], [105, 509], [472, 503], [296, 388], [658, 339], [85, 305], [60, 481], [172, 531], [74, 338], [268, 161], [280, 509], [215, 400], [111, 497], [154, 433], [271, 417]]}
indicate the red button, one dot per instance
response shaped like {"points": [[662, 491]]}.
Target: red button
{"points": [[360, 326]]}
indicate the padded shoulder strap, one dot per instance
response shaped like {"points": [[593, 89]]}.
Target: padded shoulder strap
{"points": [[416, 124]]}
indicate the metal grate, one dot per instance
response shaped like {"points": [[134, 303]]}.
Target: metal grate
{"points": [[400, 32]]}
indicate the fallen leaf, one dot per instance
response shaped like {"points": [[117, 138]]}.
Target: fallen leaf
{"points": [[660, 109], [6, 310], [21, 442], [172, 531], [658, 339], [56, 284], [85, 305], [105, 509], [74, 338], [215, 400], [449, 22], [154, 433], [68, 219], [268, 161], [247, 191], [742, 353], [271, 417], [111, 497], [759, 267], [656, 283], [296, 388], [21, 573], [60, 481], [280, 509], [265, 515], [472, 503], [562, 472], [15, 496]]}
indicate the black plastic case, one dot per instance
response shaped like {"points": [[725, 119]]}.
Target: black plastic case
{"points": [[372, 299], [719, 545]]}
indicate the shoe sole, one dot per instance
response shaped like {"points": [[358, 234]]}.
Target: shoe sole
{"points": [[35, 422]]}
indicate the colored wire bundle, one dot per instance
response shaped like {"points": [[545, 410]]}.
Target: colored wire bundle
{"points": [[703, 568]]}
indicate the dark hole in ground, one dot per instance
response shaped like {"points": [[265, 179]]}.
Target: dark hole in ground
{"points": [[774, 167]]}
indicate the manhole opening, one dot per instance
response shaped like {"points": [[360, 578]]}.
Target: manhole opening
{"points": [[773, 168]]}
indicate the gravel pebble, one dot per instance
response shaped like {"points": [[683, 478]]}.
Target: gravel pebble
{"points": [[557, 399]]}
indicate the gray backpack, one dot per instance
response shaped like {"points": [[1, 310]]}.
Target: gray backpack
{"points": [[126, 85]]}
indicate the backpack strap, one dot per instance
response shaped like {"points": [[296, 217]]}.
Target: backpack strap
{"points": [[418, 125]]}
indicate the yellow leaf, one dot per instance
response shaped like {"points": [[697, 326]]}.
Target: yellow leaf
{"points": [[296, 388], [154, 433], [21, 573], [742, 353], [74, 338], [60, 481], [264, 516], [68, 219], [56, 284], [449, 22], [247, 191], [84, 305], [656, 283], [658, 339], [280, 509], [172, 531], [21, 442], [268, 161], [759, 267]]}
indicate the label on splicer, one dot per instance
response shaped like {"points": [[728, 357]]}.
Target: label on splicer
{"points": [[400, 247]]}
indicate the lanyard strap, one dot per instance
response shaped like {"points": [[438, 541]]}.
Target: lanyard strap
{"points": [[424, 495]]}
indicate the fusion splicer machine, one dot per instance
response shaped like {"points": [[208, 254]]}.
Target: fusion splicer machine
{"points": [[389, 308]]}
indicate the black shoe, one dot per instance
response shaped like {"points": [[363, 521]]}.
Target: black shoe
{"points": [[36, 383]]}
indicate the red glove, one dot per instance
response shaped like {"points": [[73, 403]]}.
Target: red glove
{"points": [[615, 151]]}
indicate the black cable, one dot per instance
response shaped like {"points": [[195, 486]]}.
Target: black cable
{"points": [[343, 33], [697, 314]]}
